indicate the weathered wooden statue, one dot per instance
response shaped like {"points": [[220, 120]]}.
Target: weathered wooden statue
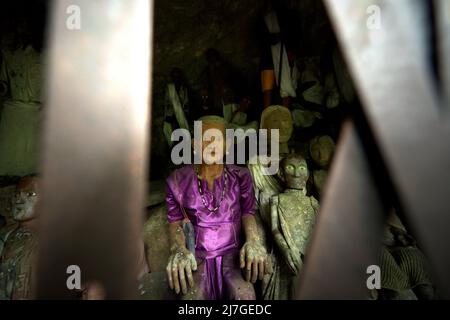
{"points": [[176, 108], [293, 215], [19, 243], [321, 149], [217, 201]]}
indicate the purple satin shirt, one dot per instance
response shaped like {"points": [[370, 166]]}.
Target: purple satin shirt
{"points": [[216, 233]]}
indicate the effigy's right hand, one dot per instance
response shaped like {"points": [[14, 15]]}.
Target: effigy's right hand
{"points": [[179, 269]]}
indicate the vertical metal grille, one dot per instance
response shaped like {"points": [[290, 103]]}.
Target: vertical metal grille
{"points": [[95, 146]]}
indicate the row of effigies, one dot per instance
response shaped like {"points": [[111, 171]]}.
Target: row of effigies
{"points": [[288, 202], [286, 218], [287, 211]]}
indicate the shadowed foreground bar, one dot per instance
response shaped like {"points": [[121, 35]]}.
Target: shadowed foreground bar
{"points": [[95, 144]]}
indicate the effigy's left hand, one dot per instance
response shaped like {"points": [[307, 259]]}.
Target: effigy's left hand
{"points": [[254, 258]]}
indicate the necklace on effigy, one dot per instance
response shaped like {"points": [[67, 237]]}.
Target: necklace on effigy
{"points": [[222, 195]]}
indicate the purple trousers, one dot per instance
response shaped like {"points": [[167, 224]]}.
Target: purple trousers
{"points": [[220, 278]]}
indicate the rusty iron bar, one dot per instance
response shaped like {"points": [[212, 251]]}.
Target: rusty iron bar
{"points": [[349, 227], [400, 105], [95, 146]]}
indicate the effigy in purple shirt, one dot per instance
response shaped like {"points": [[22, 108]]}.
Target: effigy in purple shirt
{"points": [[218, 235]]}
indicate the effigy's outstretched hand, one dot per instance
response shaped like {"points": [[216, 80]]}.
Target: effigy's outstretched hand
{"points": [[181, 264], [255, 260]]}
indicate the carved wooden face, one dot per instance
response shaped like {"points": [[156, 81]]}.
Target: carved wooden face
{"points": [[25, 199], [322, 149], [295, 172], [278, 117], [213, 142]]}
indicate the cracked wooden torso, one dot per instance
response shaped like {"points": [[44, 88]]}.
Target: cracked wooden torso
{"points": [[297, 216]]}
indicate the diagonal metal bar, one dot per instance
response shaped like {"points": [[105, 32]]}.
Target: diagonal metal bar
{"points": [[442, 8], [349, 227], [95, 144], [392, 77]]}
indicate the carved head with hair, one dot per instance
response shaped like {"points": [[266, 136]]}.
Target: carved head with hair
{"points": [[25, 199], [294, 172]]}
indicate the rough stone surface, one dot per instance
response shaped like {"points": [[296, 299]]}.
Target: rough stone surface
{"points": [[154, 286], [156, 238]]}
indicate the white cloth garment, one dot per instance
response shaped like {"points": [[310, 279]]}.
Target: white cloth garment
{"points": [[167, 130], [289, 75], [235, 119], [176, 103], [315, 93]]}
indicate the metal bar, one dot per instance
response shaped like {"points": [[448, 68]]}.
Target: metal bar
{"points": [[443, 30], [349, 227], [392, 77], [95, 146]]}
